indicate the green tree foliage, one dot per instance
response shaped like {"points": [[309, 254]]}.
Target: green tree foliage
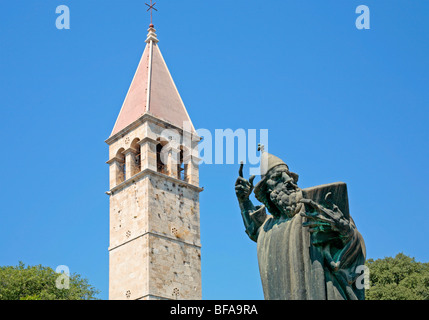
{"points": [[39, 283], [399, 278]]}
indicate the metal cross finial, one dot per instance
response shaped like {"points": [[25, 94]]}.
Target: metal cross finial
{"points": [[151, 8]]}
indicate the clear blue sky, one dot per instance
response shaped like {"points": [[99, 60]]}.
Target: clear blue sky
{"points": [[340, 104]]}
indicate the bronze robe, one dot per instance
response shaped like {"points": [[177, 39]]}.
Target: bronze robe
{"points": [[292, 268]]}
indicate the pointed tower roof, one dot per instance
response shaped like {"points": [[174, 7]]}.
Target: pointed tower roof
{"points": [[152, 91]]}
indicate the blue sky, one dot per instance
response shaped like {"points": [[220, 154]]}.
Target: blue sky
{"points": [[340, 104]]}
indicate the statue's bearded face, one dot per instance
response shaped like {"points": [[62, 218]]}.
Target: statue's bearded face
{"points": [[282, 191]]}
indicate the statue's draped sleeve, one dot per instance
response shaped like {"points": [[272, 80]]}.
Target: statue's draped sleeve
{"points": [[350, 257], [257, 218]]}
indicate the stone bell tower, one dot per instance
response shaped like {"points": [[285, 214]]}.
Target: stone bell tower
{"points": [[155, 249]]}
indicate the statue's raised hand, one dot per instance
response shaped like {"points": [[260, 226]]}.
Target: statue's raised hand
{"points": [[243, 188]]}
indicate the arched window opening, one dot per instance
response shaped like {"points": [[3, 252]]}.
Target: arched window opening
{"points": [[123, 172], [160, 165], [121, 169], [182, 167], [138, 160], [137, 165]]}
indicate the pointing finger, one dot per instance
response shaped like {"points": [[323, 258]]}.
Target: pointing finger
{"points": [[240, 171]]}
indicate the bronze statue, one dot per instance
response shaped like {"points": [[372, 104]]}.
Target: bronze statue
{"points": [[309, 247]]}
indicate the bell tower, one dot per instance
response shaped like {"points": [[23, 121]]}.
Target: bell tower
{"points": [[155, 249]]}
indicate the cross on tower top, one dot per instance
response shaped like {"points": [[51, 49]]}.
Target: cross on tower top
{"points": [[151, 8]]}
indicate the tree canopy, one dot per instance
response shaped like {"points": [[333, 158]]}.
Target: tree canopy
{"points": [[398, 278], [41, 283]]}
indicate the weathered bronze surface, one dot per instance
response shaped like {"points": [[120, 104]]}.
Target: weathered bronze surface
{"points": [[308, 246]]}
